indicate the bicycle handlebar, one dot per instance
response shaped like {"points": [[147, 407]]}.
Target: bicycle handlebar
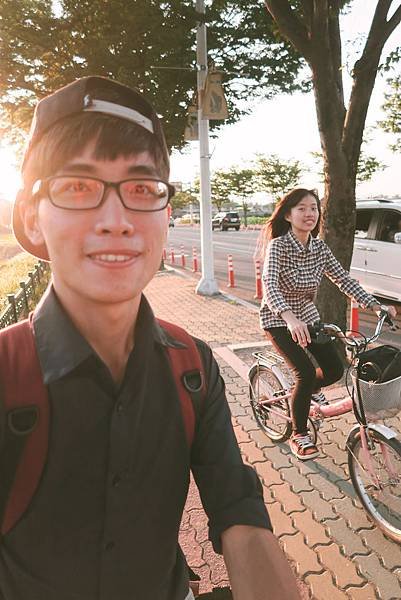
{"points": [[321, 332]]}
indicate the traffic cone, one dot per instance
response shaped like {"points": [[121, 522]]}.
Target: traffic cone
{"points": [[230, 271], [258, 281], [194, 260], [354, 317]]}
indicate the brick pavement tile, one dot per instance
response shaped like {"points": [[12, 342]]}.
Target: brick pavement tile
{"points": [[191, 548], [218, 571], [366, 592], [248, 423], [252, 452], [291, 502], [313, 531], [297, 481], [387, 584], [198, 520], [241, 434], [185, 524], [350, 542], [323, 588], [355, 517], [305, 559], [237, 410], [193, 498], [389, 552], [336, 453], [332, 471], [343, 569], [328, 489], [282, 523], [321, 508], [278, 454], [268, 473], [260, 438]]}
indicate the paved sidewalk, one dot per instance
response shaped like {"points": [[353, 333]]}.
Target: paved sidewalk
{"points": [[335, 551]]}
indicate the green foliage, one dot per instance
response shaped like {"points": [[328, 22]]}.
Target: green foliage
{"points": [[367, 166], [144, 43], [275, 175], [392, 108], [182, 199]]}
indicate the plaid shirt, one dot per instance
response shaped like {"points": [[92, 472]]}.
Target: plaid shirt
{"points": [[292, 274]]}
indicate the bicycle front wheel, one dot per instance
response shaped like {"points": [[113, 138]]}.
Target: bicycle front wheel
{"points": [[377, 480], [271, 412]]}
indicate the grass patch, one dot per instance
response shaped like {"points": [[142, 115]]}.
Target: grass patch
{"points": [[12, 272]]}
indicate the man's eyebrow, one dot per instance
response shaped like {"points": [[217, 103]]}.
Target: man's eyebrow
{"points": [[91, 169]]}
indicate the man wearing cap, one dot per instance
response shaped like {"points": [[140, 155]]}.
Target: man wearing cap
{"points": [[104, 521]]}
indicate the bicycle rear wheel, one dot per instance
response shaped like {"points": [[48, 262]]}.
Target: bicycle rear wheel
{"points": [[271, 412], [378, 488]]}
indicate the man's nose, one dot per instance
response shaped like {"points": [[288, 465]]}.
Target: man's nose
{"points": [[112, 216]]}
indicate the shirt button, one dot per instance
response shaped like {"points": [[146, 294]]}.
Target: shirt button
{"points": [[109, 546], [119, 408], [116, 480]]}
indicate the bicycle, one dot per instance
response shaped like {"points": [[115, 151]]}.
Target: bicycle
{"points": [[374, 450]]}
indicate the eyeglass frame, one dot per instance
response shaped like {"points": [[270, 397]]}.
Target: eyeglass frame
{"points": [[106, 186]]}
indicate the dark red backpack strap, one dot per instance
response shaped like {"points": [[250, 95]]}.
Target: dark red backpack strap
{"points": [[26, 419], [188, 372]]}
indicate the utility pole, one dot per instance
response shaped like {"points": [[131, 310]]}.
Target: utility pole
{"points": [[207, 285]]}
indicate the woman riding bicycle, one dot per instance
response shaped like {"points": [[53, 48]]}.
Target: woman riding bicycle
{"points": [[295, 262]]}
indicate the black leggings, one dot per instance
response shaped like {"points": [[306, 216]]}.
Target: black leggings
{"points": [[308, 379]]}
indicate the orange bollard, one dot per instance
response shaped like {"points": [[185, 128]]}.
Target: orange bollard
{"points": [[194, 260], [182, 256], [164, 254], [172, 258], [354, 317], [230, 271], [258, 280]]}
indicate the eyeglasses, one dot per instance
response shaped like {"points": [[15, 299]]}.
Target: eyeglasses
{"points": [[73, 192]]}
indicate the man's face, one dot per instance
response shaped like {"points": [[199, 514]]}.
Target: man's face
{"points": [[108, 254]]}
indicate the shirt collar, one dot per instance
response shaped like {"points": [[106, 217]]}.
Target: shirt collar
{"points": [[62, 348], [297, 244]]}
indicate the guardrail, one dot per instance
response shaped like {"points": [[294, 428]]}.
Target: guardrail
{"points": [[20, 302]]}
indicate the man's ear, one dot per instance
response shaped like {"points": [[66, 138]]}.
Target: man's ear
{"points": [[28, 211]]}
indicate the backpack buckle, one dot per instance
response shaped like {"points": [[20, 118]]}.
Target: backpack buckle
{"points": [[22, 421], [193, 381]]}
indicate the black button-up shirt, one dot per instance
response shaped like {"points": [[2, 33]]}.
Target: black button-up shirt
{"points": [[104, 522]]}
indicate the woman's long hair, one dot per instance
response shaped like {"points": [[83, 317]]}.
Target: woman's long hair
{"points": [[278, 225]]}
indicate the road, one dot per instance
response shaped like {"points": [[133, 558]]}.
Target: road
{"points": [[241, 245]]}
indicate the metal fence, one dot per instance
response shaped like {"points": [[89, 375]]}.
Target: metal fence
{"points": [[21, 302]]}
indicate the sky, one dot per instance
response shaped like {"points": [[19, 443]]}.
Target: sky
{"points": [[285, 125]]}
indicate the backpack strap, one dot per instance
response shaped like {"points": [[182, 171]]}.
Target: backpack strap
{"points": [[26, 422], [188, 373]]}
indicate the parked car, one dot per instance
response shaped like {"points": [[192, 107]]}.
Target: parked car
{"points": [[171, 222], [376, 260], [226, 220]]}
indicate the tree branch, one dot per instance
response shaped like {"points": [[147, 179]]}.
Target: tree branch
{"points": [[290, 26], [364, 74]]}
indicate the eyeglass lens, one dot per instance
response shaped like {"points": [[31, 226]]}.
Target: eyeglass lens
{"points": [[81, 193]]}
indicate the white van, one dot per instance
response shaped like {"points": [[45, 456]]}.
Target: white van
{"points": [[376, 260]]}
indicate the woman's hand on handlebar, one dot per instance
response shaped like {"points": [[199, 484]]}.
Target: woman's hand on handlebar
{"points": [[298, 329], [391, 310]]}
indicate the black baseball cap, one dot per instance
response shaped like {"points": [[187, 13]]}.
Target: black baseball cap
{"points": [[88, 94]]}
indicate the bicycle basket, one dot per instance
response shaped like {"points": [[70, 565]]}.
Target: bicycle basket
{"points": [[379, 400]]}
